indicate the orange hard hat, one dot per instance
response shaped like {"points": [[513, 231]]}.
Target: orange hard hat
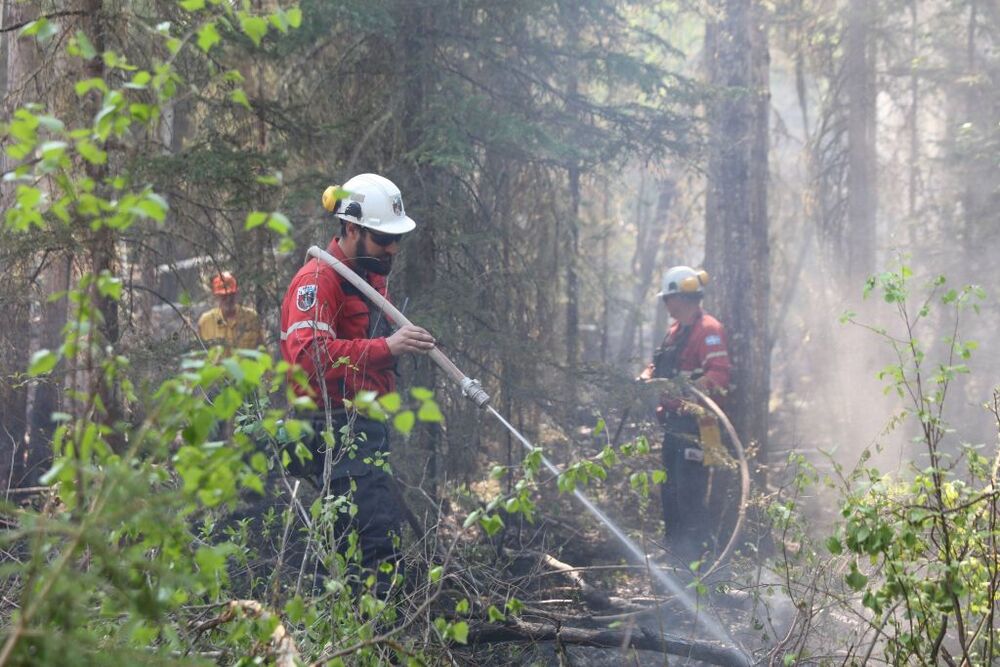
{"points": [[223, 284]]}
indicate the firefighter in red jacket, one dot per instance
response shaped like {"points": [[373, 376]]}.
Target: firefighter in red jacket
{"points": [[693, 452], [345, 346]]}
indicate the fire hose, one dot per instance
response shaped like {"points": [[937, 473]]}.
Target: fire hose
{"points": [[470, 388], [741, 459], [473, 390]]}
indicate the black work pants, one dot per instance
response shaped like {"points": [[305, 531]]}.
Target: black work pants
{"points": [[379, 515], [694, 496]]}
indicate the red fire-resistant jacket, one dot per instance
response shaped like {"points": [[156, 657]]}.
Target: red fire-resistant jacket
{"points": [[704, 355], [324, 329]]}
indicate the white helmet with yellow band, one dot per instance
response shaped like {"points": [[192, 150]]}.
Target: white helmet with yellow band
{"points": [[371, 201], [683, 280]]}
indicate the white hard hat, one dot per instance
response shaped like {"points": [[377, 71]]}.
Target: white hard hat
{"points": [[373, 202], [683, 280]]}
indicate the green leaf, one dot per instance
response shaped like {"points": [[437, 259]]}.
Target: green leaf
{"points": [[391, 401], [492, 524], [141, 112], [87, 85], [434, 574], [259, 462], [601, 425], [42, 362], [495, 615], [404, 421], [278, 222], [90, 152], [87, 50], [208, 37], [193, 5], [295, 609], [472, 518], [140, 81], [271, 179], [855, 579], [42, 30], [153, 206], [421, 393], [212, 559], [255, 219], [429, 412], [460, 631], [240, 97], [50, 123], [834, 546], [255, 27], [28, 196], [280, 21], [254, 483], [109, 286], [294, 16]]}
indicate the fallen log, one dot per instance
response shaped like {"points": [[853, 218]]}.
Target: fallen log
{"points": [[637, 638], [595, 598]]}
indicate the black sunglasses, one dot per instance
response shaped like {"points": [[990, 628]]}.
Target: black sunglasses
{"points": [[384, 240]]}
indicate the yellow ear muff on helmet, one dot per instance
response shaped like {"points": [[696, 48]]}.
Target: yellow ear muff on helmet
{"points": [[693, 283], [689, 284], [330, 198]]}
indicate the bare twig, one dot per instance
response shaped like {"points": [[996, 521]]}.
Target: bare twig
{"points": [[53, 15]]}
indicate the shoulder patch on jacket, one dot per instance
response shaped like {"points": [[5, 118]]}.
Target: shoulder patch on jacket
{"points": [[713, 339], [305, 297]]}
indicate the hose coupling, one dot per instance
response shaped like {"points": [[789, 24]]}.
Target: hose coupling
{"points": [[474, 390]]}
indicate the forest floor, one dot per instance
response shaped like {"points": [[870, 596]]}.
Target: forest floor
{"points": [[585, 600]]}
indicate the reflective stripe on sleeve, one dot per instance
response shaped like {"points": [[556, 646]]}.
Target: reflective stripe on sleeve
{"points": [[713, 355], [308, 324]]}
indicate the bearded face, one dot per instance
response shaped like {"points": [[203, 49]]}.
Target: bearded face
{"points": [[381, 267], [374, 258]]}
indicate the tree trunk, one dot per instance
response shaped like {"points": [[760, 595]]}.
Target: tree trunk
{"points": [[862, 161], [736, 249], [914, 129], [35, 323], [648, 241], [420, 187], [571, 17], [104, 244], [979, 171]]}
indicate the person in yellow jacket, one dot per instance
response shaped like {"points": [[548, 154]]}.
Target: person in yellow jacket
{"points": [[229, 324]]}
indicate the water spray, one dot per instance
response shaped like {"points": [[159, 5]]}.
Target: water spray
{"points": [[474, 391]]}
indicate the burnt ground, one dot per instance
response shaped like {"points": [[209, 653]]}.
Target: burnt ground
{"points": [[578, 617]]}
